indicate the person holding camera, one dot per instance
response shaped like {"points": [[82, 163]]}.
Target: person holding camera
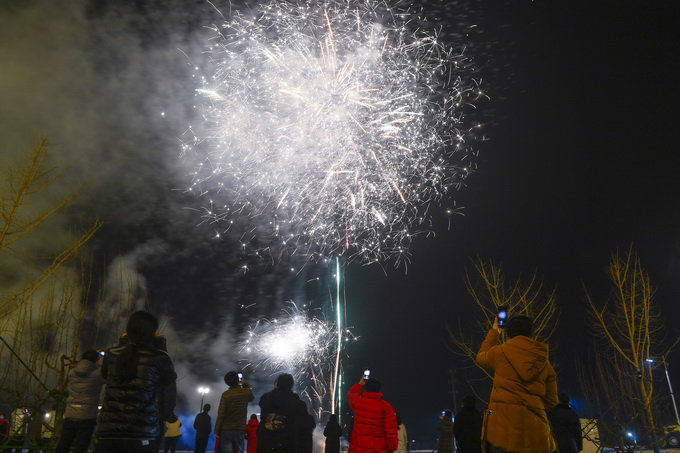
{"points": [[524, 390], [375, 421], [445, 429], [85, 384], [232, 413]]}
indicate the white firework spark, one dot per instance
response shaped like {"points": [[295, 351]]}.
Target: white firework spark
{"points": [[331, 124], [295, 341], [299, 343]]}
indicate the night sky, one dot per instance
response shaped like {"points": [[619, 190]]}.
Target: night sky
{"points": [[580, 160]]}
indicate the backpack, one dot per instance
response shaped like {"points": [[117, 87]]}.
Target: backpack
{"points": [[275, 422]]}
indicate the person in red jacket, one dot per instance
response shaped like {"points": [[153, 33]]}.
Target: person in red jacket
{"points": [[251, 433], [375, 422], [4, 428]]}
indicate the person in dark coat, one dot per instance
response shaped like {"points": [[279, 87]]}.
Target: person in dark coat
{"points": [[332, 432], [304, 428], [467, 427], [159, 342], [276, 433], [566, 426], [85, 383], [136, 375], [203, 427], [445, 430]]}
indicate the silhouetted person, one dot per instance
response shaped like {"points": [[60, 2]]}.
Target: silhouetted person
{"points": [[304, 428], [332, 432], [467, 427], [276, 433], [445, 430], [566, 426], [203, 427]]}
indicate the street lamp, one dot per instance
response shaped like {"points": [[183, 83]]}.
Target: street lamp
{"points": [[203, 391], [670, 387]]}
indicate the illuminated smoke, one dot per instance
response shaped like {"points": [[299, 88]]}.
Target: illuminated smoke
{"points": [[332, 127]]}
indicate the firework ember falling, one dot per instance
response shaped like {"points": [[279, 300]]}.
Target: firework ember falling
{"points": [[330, 125]]}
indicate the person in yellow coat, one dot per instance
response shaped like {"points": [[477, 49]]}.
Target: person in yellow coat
{"points": [[402, 436], [172, 434], [524, 390]]}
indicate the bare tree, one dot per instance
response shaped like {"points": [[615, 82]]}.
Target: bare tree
{"points": [[38, 312], [49, 332], [489, 290], [22, 189], [630, 330], [607, 384]]}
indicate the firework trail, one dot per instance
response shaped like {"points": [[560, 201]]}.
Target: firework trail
{"points": [[330, 125], [299, 343]]}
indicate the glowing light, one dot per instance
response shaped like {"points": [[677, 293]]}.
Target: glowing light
{"points": [[299, 343], [294, 341], [330, 125]]}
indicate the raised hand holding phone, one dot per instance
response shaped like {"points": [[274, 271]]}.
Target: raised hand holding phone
{"points": [[502, 316]]}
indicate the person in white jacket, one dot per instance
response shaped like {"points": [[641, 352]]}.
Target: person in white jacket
{"points": [[85, 383]]}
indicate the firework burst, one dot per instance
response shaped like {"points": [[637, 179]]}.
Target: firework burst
{"points": [[299, 343], [294, 341], [330, 125]]}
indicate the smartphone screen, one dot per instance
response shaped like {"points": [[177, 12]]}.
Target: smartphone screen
{"points": [[502, 316], [367, 374], [240, 377]]}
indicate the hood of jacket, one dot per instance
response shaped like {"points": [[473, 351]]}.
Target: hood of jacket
{"points": [[84, 368], [527, 357], [283, 401], [372, 395]]}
